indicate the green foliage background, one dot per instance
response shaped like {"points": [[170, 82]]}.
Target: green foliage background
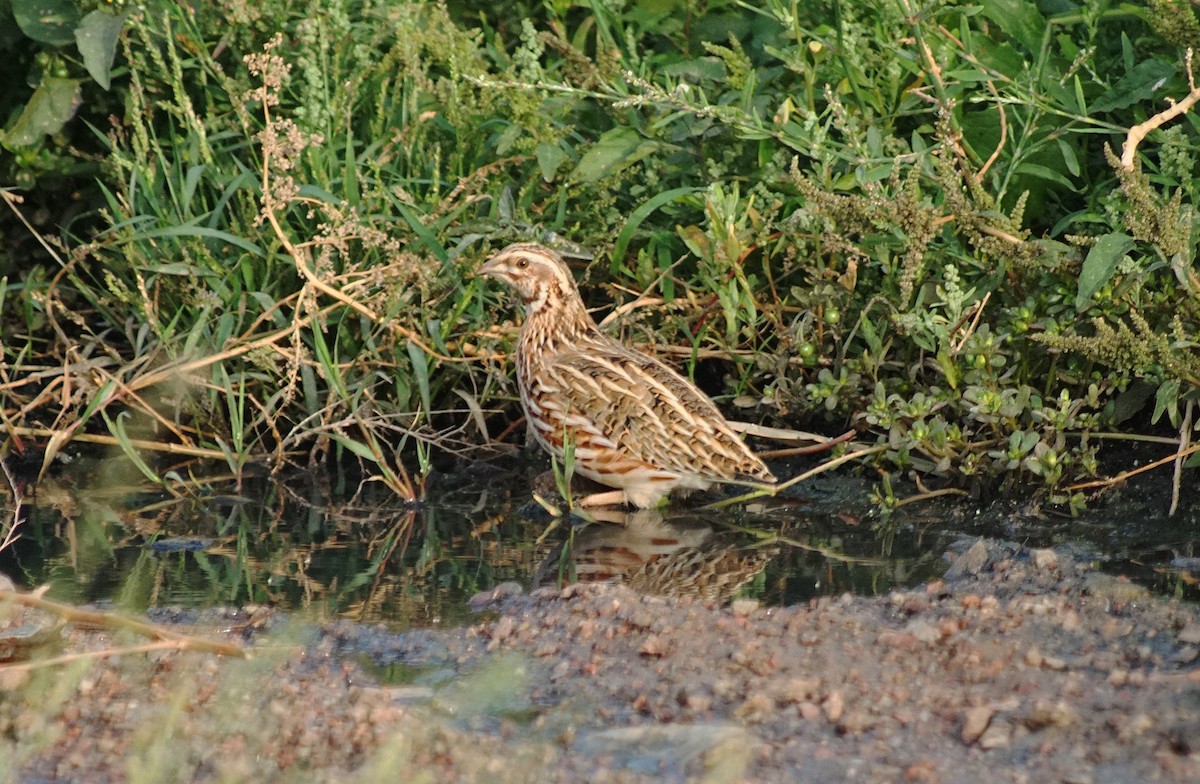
{"points": [[904, 218]]}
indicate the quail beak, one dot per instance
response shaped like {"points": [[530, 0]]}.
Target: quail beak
{"points": [[491, 269]]}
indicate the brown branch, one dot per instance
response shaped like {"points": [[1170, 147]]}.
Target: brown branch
{"points": [[1139, 131], [91, 618]]}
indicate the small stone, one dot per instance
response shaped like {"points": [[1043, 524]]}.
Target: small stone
{"points": [[503, 629], [743, 607], [654, 646], [1054, 663], [1114, 589], [1115, 628], [923, 630], [809, 711], [975, 722], [1043, 559], [971, 562], [834, 706], [799, 690], [1134, 727], [1190, 634], [902, 641], [998, 735], [757, 707], [922, 772], [495, 595], [1033, 657], [856, 721], [1185, 655], [1050, 714]]}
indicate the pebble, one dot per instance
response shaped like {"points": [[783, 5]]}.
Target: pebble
{"points": [[1135, 726], [756, 708], [1185, 655], [923, 631], [971, 562], [653, 646], [834, 706], [799, 690], [496, 595], [503, 629], [809, 711], [1114, 589], [1043, 559], [743, 607], [975, 722], [1054, 663], [856, 721], [998, 735], [1050, 714], [1190, 634]]}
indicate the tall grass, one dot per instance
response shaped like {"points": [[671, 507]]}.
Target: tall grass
{"points": [[902, 218]]}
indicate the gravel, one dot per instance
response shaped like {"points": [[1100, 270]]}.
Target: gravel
{"points": [[1018, 666]]}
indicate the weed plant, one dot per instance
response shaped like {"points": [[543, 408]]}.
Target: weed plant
{"points": [[909, 219]]}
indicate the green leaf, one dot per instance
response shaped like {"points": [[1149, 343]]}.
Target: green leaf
{"points": [[1132, 400], [613, 151], [550, 159], [1045, 173], [422, 231], [51, 105], [640, 214], [1020, 19], [1140, 84], [948, 367], [700, 69], [356, 448], [1166, 399], [97, 36], [421, 372], [1100, 264], [1070, 159], [192, 230], [47, 21], [116, 426]]}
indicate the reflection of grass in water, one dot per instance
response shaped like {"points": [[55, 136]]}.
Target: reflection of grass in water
{"points": [[372, 557], [369, 556]]}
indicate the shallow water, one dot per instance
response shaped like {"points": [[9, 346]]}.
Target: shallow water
{"points": [[301, 546]]}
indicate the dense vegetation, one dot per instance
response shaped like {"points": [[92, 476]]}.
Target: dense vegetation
{"points": [[247, 231]]}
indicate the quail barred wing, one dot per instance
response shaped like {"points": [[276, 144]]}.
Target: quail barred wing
{"points": [[650, 412]]}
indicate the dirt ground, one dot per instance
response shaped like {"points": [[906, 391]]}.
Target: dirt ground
{"points": [[1018, 666]]}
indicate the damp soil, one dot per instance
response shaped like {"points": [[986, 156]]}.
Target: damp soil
{"points": [[1017, 664], [796, 639]]}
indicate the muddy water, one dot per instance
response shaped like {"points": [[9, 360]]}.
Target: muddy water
{"points": [[304, 546]]}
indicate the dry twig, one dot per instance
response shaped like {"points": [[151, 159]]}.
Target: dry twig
{"points": [[103, 620]]}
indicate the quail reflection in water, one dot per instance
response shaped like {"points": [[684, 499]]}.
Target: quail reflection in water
{"points": [[680, 556]]}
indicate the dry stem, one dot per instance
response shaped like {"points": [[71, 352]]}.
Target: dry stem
{"points": [[1139, 131]]}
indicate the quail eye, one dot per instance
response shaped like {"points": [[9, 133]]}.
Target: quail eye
{"points": [[522, 263]]}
